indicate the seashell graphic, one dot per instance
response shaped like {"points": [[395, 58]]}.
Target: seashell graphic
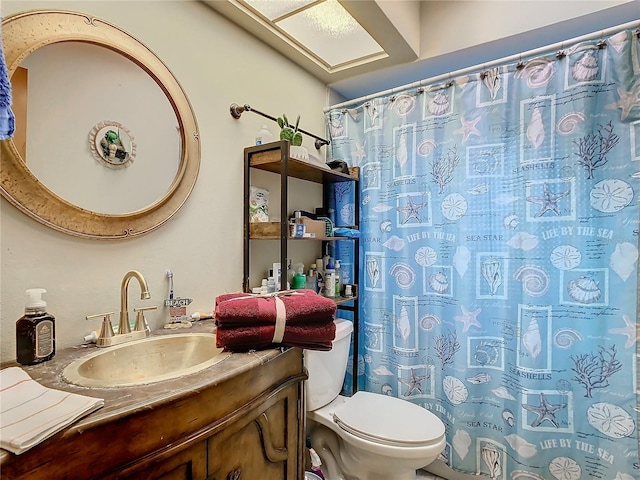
{"points": [[404, 104], [565, 257], [405, 275], [623, 259], [565, 468], [386, 389], [372, 340], [493, 81], [611, 195], [502, 392], [584, 290], [366, 199], [455, 390], [439, 104], [569, 122], [461, 260], [403, 324], [402, 152], [492, 274], [511, 221], [537, 72], [617, 41], [535, 280], [523, 241], [454, 206], [373, 271], [491, 457], [425, 256], [566, 337], [394, 243], [386, 226], [509, 418], [531, 340], [586, 68], [382, 370], [370, 176], [426, 148], [519, 444], [611, 420], [522, 475], [373, 112], [347, 214], [439, 282], [486, 353], [429, 322], [478, 189], [535, 129], [461, 443], [480, 378]]}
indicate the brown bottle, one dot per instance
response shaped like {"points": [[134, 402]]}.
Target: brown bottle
{"points": [[35, 331]]}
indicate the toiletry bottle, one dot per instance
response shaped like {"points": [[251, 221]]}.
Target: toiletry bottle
{"points": [[35, 331], [264, 287], [312, 278], [290, 274], [320, 276], [316, 464], [271, 285], [299, 279], [338, 279], [330, 280], [264, 136]]}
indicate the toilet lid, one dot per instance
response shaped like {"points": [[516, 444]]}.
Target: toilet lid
{"points": [[388, 420]]}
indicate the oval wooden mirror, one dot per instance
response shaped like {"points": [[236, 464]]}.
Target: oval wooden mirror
{"points": [[27, 32]]}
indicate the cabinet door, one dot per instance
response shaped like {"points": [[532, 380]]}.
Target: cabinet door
{"points": [[263, 444], [190, 464]]}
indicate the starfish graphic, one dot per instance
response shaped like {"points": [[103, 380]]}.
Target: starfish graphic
{"points": [[412, 210], [359, 153], [631, 330], [545, 411], [468, 318], [468, 128], [413, 383], [628, 100], [548, 201]]}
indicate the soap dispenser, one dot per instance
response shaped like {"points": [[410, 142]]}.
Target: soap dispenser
{"points": [[35, 331]]}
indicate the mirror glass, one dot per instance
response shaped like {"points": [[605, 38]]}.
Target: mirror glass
{"points": [[106, 144], [95, 86]]}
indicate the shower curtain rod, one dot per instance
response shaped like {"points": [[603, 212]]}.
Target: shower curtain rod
{"points": [[511, 58], [236, 111]]}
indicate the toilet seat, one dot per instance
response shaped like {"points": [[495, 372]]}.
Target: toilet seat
{"points": [[388, 420]]}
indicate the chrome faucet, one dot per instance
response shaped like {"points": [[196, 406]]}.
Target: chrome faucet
{"points": [[123, 326]]}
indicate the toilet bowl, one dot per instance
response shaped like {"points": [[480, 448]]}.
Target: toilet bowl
{"points": [[367, 436]]}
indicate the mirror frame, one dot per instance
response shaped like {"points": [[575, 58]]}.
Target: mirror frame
{"points": [[25, 32]]}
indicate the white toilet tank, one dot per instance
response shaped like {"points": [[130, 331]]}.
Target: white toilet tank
{"points": [[327, 369]]}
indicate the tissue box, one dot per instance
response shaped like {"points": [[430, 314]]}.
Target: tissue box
{"points": [[317, 227]]}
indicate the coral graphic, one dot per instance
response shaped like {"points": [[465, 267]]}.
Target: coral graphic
{"points": [[593, 371], [593, 148], [443, 167], [446, 347]]}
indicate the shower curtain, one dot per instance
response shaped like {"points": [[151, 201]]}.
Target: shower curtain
{"points": [[499, 250]]}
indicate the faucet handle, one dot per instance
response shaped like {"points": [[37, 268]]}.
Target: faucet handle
{"points": [[106, 331], [141, 323]]}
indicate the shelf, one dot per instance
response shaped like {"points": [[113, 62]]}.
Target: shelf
{"points": [[268, 157]]}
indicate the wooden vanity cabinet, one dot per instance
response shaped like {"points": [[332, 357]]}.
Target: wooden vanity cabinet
{"points": [[239, 421]]}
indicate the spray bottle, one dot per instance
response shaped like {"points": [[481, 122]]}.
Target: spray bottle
{"points": [[35, 331]]}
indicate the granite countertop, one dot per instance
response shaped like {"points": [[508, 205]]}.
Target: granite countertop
{"points": [[123, 401]]}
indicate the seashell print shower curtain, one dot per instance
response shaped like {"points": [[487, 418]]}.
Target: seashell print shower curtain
{"points": [[499, 251]]}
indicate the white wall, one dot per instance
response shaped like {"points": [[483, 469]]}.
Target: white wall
{"points": [[217, 64]]}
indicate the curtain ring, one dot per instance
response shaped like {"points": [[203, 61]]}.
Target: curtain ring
{"points": [[560, 54], [602, 43], [520, 65]]}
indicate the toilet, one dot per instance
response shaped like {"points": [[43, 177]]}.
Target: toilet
{"points": [[367, 436]]}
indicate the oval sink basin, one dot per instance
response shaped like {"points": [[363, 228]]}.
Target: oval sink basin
{"points": [[145, 361]]}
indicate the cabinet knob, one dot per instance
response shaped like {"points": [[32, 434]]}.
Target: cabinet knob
{"points": [[235, 475]]}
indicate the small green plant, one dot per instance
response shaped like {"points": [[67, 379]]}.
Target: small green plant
{"points": [[287, 132]]}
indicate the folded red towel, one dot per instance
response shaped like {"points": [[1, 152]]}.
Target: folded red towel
{"points": [[317, 336], [302, 307]]}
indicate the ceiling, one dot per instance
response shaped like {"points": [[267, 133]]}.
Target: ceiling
{"points": [[413, 39]]}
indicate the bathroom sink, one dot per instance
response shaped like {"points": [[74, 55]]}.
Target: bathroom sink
{"points": [[145, 361]]}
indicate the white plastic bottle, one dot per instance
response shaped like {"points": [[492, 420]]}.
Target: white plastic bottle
{"points": [[330, 280], [264, 136], [271, 285]]}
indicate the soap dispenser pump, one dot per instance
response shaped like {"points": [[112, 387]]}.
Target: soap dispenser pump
{"points": [[35, 331]]}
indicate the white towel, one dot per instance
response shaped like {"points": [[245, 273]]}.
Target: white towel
{"points": [[31, 413]]}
